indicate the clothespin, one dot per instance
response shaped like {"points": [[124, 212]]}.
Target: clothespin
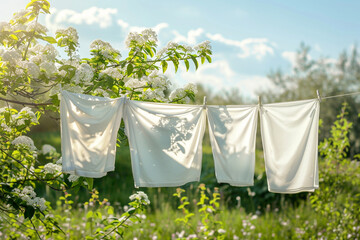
{"points": [[259, 100], [204, 104], [318, 95]]}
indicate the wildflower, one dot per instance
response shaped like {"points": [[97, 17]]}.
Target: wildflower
{"points": [[140, 196], [24, 141], [52, 168], [221, 231], [47, 148]]}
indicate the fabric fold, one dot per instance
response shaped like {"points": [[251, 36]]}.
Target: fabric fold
{"points": [[165, 142], [289, 134], [89, 127], [232, 131]]}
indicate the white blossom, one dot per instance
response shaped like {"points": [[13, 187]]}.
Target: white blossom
{"points": [[47, 148], [18, 27], [24, 141], [49, 68], [191, 87], [134, 37], [5, 127], [21, 14], [5, 26], [101, 92], [12, 56], [134, 83], [105, 49], [154, 94], [69, 34], [112, 72], [35, 26], [29, 196], [221, 231], [52, 168], [203, 46], [178, 93], [156, 80], [33, 69], [169, 46], [84, 74], [73, 178], [141, 196], [30, 113], [149, 35], [49, 52]]}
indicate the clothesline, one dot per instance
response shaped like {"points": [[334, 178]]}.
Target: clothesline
{"points": [[340, 95], [45, 104]]}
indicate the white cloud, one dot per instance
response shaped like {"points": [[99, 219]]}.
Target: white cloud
{"points": [[290, 56], [218, 76], [101, 17], [124, 25], [127, 28], [191, 37], [257, 47]]}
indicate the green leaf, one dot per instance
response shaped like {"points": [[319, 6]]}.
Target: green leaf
{"points": [[208, 58], [90, 182], [202, 60], [29, 212], [49, 39], [195, 61], [187, 64], [129, 69], [89, 214], [164, 65]]}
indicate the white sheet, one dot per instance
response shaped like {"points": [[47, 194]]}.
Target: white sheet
{"points": [[165, 142], [89, 127], [290, 140], [232, 131]]}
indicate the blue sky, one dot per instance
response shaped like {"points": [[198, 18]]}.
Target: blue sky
{"points": [[249, 38]]}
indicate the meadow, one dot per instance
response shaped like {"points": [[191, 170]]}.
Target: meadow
{"points": [[331, 212]]}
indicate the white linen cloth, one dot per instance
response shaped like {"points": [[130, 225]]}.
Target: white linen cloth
{"points": [[89, 127], [165, 142], [232, 131], [290, 140]]}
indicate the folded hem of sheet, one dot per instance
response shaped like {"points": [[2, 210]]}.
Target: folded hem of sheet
{"points": [[236, 183], [87, 174], [294, 190], [166, 184]]}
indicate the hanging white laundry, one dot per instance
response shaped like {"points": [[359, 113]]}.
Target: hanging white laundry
{"points": [[165, 142], [232, 131], [89, 127], [290, 140]]}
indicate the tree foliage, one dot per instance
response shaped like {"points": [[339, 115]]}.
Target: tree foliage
{"points": [[32, 73]]}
